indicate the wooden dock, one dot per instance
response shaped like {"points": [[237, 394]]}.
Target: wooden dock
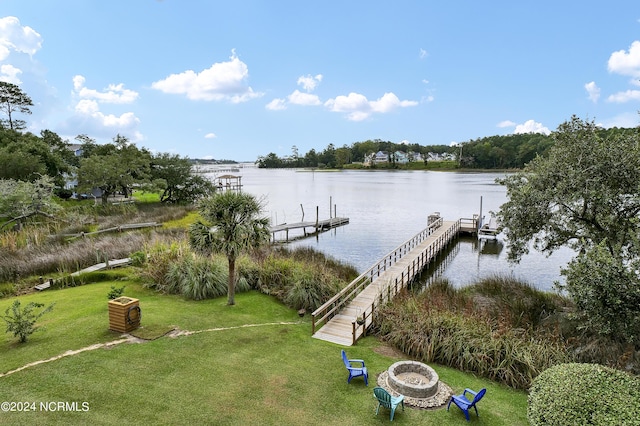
{"points": [[336, 320], [44, 285], [316, 226]]}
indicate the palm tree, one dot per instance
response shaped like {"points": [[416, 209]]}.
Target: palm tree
{"points": [[231, 225]]}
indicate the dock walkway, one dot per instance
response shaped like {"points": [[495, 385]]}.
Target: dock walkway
{"points": [[337, 317], [316, 226]]}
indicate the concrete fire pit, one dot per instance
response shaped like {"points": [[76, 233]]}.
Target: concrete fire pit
{"points": [[413, 379]]}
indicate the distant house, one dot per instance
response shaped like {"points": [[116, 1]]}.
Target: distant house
{"points": [[383, 157], [376, 158], [433, 156], [71, 180]]}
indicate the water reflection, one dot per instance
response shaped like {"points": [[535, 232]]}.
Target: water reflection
{"points": [[386, 208]]}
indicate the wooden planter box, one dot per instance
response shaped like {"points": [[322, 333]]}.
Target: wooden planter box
{"points": [[124, 314]]}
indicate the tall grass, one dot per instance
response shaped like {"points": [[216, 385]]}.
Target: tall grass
{"points": [[198, 278], [40, 249], [301, 279], [489, 333]]}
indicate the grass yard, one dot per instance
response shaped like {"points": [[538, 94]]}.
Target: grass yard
{"points": [[252, 364]]}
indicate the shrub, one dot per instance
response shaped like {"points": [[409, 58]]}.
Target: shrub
{"points": [[197, 277], [115, 292], [21, 322], [307, 293], [138, 258], [606, 290], [584, 394], [303, 280]]}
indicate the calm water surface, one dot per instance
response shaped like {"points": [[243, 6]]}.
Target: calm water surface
{"points": [[386, 208]]}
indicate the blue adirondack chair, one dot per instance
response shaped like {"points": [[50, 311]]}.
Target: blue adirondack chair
{"points": [[464, 403], [386, 400], [354, 370]]}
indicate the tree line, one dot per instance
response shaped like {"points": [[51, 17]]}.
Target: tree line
{"points": [[118, 167], [492, 152]]}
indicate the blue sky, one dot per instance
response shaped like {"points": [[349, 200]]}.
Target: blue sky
{"points": [[235, 80]]}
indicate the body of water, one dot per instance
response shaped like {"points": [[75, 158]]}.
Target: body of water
{"points": [[386, 208]]}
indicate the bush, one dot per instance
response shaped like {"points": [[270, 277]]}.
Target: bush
{"points": [[606, 290], [21, 322], [299, 279], [115, 292], [584, 394], [197, 278]]}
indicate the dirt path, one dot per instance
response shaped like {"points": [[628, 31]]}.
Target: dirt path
{"points": [[127, 338]]}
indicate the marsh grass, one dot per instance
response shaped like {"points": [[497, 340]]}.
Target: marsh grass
{"points": [[481, 329], [41, 249], [272, 372]]}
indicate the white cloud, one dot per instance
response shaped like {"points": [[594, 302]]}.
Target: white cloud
{"points": [[309, 83], [299, 98], [276, 105], [531, 126], [222, 81], [621, 97], [210, 136], [359, 108], [89, 119], [593, 90], [388, 102], [355, 105], [626, 63], [14, 37], [506, 123], [9, 74], [113, 94]]}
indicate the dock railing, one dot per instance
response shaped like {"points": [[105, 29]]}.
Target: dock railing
{"points": [[334, 305], [404, 278]]}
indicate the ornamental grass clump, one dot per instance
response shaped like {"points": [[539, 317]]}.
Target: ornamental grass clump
{"points": [[300, 284], [584, 394]]}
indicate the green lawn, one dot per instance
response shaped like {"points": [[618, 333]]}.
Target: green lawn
{"points": [[228, 374]]}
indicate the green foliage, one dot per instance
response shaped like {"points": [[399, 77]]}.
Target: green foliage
{"points": [[584, 196], [114, 167], [138, 258], [231, 225], [274, 351], [159, 258], [518, 303], [19, 199], [199, 278], [12, 100], [6, 289], [302, 279], [174, 175], [583, 193], [502, 152], [607, 294], [467, 329], [584, 394], [115, 292], [21, 322]]}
